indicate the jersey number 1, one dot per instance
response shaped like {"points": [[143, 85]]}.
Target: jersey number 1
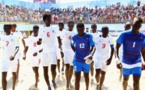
{"points": [[134, 45]]}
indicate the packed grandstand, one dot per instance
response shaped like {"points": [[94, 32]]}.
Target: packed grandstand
{"points": [[115, 13]]}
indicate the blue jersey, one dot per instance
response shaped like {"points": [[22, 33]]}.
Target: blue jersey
{"points": [[132, 46], [82, 46]]}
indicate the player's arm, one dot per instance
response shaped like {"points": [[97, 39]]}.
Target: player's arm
{"points": [[25, 52], [117, 50], [93, 49], [143, 54], [59, 42], [111, 55], [23, 42], [119, 41], [16, 51], [73, 44]]}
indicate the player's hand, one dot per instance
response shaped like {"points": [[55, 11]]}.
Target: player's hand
{"points": [[119, 66], [11, 58], [35, 54], [143, 66], [88, 59], [108, 62], [24, 58], [62, 54], [38, 42], [40, 50]]}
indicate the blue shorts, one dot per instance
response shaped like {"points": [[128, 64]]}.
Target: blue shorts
{"points": [[134, 71], [80, 66]]}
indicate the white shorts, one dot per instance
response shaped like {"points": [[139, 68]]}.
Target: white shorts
{"points": [[68, 56], [49, 58], [35, 61], [7, 65], [100, 63], [58, 54]]}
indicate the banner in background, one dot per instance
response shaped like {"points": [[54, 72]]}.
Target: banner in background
{"points": [[45, 1]]}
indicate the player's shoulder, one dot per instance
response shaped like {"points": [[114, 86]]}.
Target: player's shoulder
{"points": [[89, 35]]}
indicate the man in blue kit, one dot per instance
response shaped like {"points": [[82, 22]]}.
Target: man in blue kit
{"points": [[133, 42], [83, 45]]}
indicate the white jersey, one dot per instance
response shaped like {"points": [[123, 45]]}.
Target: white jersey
{"points": [[32, 44], [66, 39], [8, 45], [95, 34], [49, 38], [18, 35], [103, 45]]}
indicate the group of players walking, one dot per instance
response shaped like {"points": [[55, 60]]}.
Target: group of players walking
{"points": [[80, 52]]}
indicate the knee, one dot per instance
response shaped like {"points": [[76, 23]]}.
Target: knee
{"points": [[14, 74], [125, 79], [53, 68]]}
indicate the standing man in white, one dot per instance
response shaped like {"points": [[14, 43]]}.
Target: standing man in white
{"points": [[95, 34], [68, 52], [10, 48], [103, 55], [19, 36], [48, 38]]}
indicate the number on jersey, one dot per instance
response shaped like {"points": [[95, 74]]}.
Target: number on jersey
{"points": [[7, 43], [34, 44], [82, 45], [69, 37], [103, 46], [133, 44], [48, 34]]}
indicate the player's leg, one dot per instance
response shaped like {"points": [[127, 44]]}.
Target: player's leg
{"points": [[14, 79], [98, 66], [4, 80], [77, 69], [136, 77], [35, 69], [102, 78], [46, 77], [126, 74], [18, 69], [98, 72], [67, 75], [53, 72], [45, 63], [70, 74], [136, 80], [58, 65], [103, 73], [86, 69], [92, 72], [125, 82], [86, 75], [77, 80], [62, 69]]}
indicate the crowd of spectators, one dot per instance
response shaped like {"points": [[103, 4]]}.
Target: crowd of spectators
{"points": [[116, 13]]}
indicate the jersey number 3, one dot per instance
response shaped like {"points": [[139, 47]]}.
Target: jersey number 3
{"points": [[82, 45], [7, 43], [103, 46]]}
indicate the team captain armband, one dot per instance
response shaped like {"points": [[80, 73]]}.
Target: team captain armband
{"points": [[112, 46]]}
